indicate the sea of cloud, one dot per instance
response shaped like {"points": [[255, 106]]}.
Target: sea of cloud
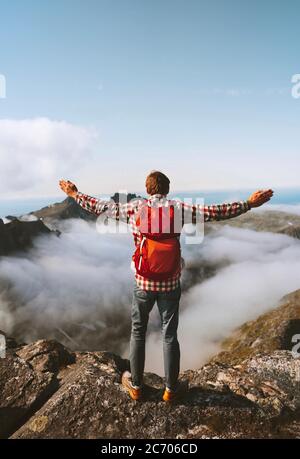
{"points": [[77, 288]]}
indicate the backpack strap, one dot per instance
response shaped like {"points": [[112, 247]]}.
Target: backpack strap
{"points": [[141, 250]]}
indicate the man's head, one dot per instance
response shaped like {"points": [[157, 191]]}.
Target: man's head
{"points": [[157, 183]]}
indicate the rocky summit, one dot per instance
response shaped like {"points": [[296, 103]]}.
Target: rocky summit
{"points": [[274, 330], [273, 221], [63, 210], [47, 391], [18, 235]]}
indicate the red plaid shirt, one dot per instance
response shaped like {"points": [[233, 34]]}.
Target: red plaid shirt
{"points": [[190, 214]]}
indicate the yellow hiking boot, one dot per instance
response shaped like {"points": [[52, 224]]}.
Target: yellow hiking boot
{"points": [[134, 392], [180, 391]]}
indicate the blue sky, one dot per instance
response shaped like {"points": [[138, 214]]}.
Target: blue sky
{"points": [[199, 89]]}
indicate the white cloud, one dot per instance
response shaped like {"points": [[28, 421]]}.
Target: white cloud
{"points": [[35, 153], [78, 284]]}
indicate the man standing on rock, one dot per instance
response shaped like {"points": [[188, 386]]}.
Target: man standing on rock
{"points": [[156, 224]]}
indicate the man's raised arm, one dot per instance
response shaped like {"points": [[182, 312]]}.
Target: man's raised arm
{"points": [[95, 205], [225, 211]]}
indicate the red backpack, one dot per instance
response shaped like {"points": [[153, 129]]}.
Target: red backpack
{"points": [[158, 256]]}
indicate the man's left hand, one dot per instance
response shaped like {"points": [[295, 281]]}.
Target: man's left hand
{"points": [[260, 197], [68, 187]]}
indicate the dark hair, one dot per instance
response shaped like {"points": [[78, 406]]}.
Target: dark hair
{"points": [[157, 183]]}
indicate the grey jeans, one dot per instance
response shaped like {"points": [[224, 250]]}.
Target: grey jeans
{"points": [[168, 306]]}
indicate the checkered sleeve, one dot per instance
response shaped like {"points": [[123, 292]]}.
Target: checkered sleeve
{"points": [[214, 212], [112, 209], [225, 211]]}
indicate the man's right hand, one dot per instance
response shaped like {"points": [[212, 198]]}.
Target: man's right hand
{"points": [[259, 198], [68, 187]]}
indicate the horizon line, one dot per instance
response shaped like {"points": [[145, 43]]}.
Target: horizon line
{"points": [[204, 190]]}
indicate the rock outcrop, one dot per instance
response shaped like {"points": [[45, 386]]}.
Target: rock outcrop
{"points": [[67, 208], [49, 392], [270, 381], [291, 230], [18, 235], [123, 197], [263, 220], [28, 379]]}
